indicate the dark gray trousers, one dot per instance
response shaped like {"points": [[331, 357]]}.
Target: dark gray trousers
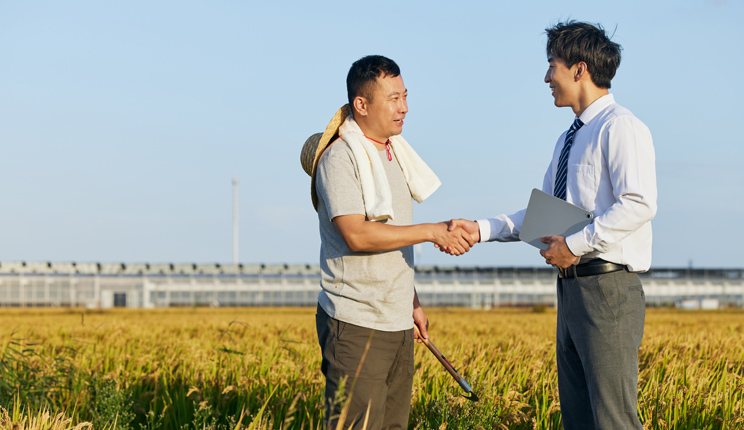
{"points": [[385, 376], [600, 327]]}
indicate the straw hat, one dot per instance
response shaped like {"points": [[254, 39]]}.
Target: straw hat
{"points": [[316, 144]]}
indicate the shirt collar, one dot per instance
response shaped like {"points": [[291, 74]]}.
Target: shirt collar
{"points": [[596, 107]]}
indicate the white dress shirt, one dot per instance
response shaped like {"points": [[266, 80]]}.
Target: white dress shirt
{"points": [[612, 173]]}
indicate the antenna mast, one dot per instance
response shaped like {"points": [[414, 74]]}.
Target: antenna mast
{"points": [[235, 220]]}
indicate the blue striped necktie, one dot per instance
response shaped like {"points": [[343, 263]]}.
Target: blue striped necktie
{"points": [[559, 190]]}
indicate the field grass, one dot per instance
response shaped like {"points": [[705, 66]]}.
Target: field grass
{"points": [[201, 368]]}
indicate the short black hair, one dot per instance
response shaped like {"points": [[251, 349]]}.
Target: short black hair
{"points": [[574, 42], [363, 75]]}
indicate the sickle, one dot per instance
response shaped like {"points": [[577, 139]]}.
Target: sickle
{"points": [[447, 365]]}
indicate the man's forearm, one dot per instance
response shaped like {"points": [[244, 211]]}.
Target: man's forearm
{"points": [[620, 220], [502, 228], [376, 237], [361, 235]]}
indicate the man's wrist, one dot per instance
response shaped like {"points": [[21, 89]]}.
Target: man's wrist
{"points": [[574, 245], [484, 230], [433, 231], [569, 250]]}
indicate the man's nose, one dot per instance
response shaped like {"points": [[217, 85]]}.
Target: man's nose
{"points": [[547, 77]]}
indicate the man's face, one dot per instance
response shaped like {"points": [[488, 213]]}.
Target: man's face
{"points": [[562, 83], [388, 108]]}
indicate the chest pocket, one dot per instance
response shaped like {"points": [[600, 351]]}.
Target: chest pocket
{"points": [[586, 180]]}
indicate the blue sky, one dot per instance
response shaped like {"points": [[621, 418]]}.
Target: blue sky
{"points": [[122, 124]]}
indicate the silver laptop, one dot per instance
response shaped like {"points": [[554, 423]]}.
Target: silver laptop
{"points": [[548, 215]]}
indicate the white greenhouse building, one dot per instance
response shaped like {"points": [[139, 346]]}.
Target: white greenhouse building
{"points": [[145, 285]]}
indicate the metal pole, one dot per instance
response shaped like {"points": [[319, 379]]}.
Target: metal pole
{"points": [[97, 289], [235, 220]]}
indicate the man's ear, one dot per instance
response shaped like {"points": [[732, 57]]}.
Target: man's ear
{"points": [[360, 105], [581, 70]]}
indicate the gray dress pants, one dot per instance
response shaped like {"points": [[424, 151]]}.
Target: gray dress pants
{"points": [[600, 327]]}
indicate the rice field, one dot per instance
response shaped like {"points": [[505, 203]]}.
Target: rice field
{"points": [[258, 368]]}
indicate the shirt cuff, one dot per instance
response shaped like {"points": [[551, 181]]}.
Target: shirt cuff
{"points": [[577, 245], [484, 226]]}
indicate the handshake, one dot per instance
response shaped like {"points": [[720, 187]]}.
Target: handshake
{"points": [[457, 236]]}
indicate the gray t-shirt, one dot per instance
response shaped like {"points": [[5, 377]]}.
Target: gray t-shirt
{"points": [[368, 289]]}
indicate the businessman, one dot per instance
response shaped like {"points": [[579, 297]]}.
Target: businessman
{"points": [[604, 163]]}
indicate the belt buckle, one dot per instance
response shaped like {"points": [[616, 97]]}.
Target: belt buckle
{"points": [[568, 272]]}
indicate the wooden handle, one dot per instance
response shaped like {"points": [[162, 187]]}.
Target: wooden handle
{"points": [[442, 359]]}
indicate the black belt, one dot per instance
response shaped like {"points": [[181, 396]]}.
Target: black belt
{"points": [[590, 268]]}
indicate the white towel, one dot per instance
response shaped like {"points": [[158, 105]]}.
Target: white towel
{"points": [[378, 200]]}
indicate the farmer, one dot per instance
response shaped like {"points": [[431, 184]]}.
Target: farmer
{"points": [[364, 175], [603, 163]]}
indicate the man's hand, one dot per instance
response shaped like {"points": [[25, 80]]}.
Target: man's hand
{"points": [[421, 321], [558, 253], [456, 240], [471, 227]]}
